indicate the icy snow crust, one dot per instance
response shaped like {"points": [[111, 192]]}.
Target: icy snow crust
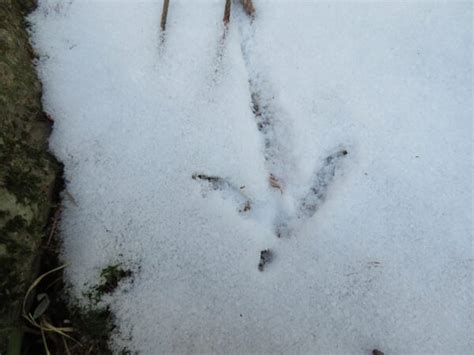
{"points": [[386, 259]]}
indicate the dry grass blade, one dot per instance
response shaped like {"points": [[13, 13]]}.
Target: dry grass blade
{"points": [[45, 343], [36, 283], [54, 225], [44, 326], [61, 330], [66, 347]]}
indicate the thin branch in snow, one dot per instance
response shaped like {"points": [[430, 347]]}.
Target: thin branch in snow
{"points": [[227, 12], [164, 17], [164, 14]]}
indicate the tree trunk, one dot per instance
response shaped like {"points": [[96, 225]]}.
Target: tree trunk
{"points": [[28, 172]]}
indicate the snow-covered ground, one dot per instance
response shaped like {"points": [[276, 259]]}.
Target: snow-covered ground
{"points": [[375, 247]]}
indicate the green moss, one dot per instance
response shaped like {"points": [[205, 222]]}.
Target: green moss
{"points": [[110, 278]]}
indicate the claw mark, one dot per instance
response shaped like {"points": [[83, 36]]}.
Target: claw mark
{"points": [[220, 184], [320, 184], [266, 256]]}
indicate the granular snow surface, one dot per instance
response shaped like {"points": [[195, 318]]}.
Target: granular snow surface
{"points": [[335, 135]]}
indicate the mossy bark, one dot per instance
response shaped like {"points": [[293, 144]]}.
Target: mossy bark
{"points": [[27, 171]]}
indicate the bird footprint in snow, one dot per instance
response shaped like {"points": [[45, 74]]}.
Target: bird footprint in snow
{"points": [[271, 121], [307, 205]]}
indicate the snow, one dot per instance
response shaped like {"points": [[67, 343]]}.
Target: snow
{"points": [[384, 261]]}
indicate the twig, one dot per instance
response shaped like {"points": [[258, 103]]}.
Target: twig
{"points": [[164, 14], [227, 12], [248, 7]]}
